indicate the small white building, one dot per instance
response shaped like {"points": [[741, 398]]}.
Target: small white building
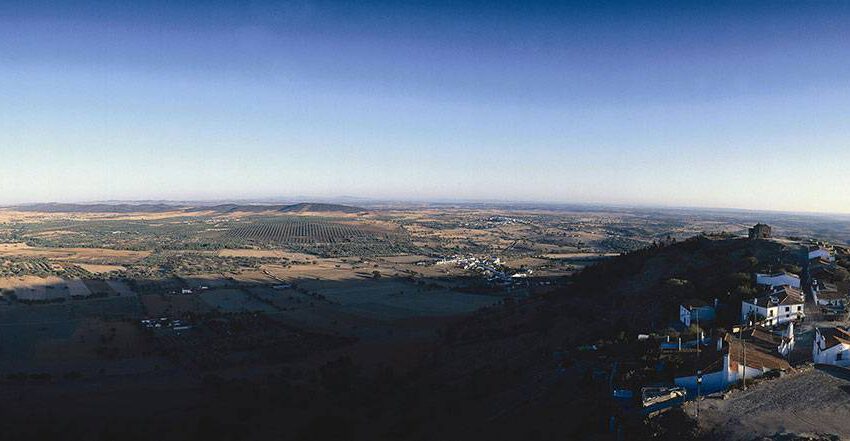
{"points": [[695, 310], [828, 294], [734, 361], [781, 305], [831, 346], [778, 279], [821, 253]]}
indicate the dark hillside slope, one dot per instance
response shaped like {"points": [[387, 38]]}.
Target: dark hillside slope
{"points": [[513, 372]]}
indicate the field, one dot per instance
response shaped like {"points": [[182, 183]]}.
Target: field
{"points": [[234, 300], [26, 328], [162, 305], [297, 231]]}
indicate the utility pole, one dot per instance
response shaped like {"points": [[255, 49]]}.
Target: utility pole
{"points": [[743, 356], [699, 371]]}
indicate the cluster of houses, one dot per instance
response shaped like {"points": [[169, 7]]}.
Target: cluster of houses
{"points": [[765, 339], [487, 267], [176, 325]]}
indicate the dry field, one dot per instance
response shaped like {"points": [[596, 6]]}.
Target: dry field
{"points": [[7, 215], [164, 305], [234, 300], [77, 256], [283, 299], [100, 269], [38, 288], [93, 339], [120, 288]]}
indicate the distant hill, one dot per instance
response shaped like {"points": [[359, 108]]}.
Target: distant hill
{"points": [[305, 207], [234, 208], [97, 208], [309, 207]]}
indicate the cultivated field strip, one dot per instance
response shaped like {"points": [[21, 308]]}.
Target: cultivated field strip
{"points": [[299, 232]]}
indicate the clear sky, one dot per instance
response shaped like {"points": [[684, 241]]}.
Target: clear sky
{"points": [[738, 104]]}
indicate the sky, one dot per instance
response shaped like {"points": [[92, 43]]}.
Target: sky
{"points": [[709, 104]]}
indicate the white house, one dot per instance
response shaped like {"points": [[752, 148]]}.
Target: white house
{"points": [[695, 310], [734, 360], [831, 346], [781, 305], [778, 279], [820, 253], [828, 294]]}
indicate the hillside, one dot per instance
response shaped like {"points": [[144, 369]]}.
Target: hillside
{"points": [[238, 208], [519, 361]]}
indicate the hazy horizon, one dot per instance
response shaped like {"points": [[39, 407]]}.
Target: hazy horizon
{"points": [[373, 202], [738, 105]]}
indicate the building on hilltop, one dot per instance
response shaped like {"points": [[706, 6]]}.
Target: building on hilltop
{"points": [[760, 231]]}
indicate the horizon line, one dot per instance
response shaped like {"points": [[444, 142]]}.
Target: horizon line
{"points": [[372, 200]]}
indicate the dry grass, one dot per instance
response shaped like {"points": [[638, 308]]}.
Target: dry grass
{"points": [[124, 339], [157, 305], [96, 256], [35, 288], [100, 269]]}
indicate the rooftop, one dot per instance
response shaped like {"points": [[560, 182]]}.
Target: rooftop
{"points": [[783, 295], [756, 352], [835, 336]]}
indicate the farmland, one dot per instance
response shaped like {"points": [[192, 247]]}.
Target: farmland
{"points": [[301, 232], [362, 278]]}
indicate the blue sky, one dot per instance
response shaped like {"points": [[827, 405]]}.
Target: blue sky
{"points": [[739, 104]]}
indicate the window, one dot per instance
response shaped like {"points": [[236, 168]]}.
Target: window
{"points": [[787, 308], [800, 308], [839, 356]]}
